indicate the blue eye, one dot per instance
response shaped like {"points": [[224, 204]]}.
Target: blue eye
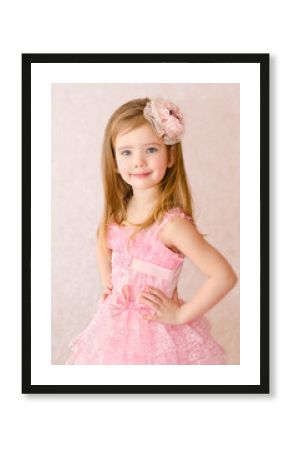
{"points": [[125, 152], [152, 149]]}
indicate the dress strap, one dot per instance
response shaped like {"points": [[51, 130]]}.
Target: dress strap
{"points": [[169, 215]]}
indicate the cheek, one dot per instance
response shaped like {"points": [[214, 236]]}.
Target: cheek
{"points": [[121, 165], [161, 164]]}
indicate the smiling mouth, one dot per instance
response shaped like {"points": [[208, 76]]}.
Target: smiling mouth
{"points": [[141, 175]]}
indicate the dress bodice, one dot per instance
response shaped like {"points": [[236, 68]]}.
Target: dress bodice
{"points": [[118, 333], [147, 260]]}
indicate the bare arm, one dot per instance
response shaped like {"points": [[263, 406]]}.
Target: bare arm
{"points": [[105, 265], [221, 278]]}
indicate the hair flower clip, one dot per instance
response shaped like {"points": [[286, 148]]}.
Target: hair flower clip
{"points": [[166, 119]]}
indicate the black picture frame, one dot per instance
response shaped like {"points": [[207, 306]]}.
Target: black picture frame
{"points": [[233, 58]]}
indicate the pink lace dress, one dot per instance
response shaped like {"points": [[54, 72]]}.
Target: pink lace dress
{"points": [[117, 334]]}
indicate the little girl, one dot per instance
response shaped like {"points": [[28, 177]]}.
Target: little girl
{"points": [[147, 230]]}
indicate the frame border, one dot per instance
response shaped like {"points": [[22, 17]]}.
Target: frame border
{"points": [[263, 60]]}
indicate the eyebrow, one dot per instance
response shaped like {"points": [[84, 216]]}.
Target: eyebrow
{"points": [[130, 146]]}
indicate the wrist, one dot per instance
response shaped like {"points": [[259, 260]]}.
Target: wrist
{"points": [[180, 316]]}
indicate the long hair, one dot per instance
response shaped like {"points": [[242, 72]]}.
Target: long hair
{"points": [[174, 187]]}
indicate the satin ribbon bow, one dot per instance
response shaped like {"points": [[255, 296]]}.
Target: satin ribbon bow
{"points": [[125, 301]]}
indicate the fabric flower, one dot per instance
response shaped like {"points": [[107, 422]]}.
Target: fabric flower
{"points": [[166, 119], [124, 301]]}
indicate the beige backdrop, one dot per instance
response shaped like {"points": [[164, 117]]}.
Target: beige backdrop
{"points": [[211, 153]]}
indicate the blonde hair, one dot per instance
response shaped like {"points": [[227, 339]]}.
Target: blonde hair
{"points": [[174, 188]]}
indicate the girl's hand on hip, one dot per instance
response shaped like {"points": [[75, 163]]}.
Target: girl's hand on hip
{"points": [[107, 291], [166, 310]]}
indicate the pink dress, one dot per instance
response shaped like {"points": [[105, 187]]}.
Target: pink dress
{"points": [[118, 334]]}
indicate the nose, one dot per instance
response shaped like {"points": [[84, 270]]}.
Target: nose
{"points": [[139, 160]]}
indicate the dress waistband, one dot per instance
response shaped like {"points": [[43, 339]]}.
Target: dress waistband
{"points": [[140, 265]]}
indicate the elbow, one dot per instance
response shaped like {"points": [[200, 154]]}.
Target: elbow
{"points": [[226, 278], [230, 279]]}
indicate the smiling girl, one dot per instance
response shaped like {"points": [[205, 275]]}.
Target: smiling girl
{"points": [[146, 231]]}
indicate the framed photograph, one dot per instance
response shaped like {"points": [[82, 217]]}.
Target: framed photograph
{"points": [[175, 147]]}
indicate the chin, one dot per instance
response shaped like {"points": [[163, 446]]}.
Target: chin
{"points": [[142, 187]]}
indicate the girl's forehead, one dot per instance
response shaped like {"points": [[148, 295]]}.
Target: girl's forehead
{"points": [[138, 136]]}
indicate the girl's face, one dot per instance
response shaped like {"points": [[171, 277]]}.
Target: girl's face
{"points": [[142, 157]]}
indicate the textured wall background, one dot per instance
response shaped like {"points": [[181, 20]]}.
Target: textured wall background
{"points": [[211, 153]]}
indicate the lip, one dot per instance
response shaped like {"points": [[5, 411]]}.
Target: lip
{"points": [[141, 175]]}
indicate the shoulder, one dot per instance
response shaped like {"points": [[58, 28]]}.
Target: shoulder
{"points": [[179, 231], [183, 235], [110, 223], [176, 217], [178, 225]]}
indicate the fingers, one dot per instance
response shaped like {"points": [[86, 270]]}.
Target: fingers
{"points": [[107, 292], [145, 317], [175, 296], [156, 292], [153, 317], [151, 298]]}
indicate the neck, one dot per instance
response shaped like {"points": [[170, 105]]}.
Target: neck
{"points": [[144, 199]]}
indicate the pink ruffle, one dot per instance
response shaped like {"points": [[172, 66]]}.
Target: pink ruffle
{"points": [[118, 334]]}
